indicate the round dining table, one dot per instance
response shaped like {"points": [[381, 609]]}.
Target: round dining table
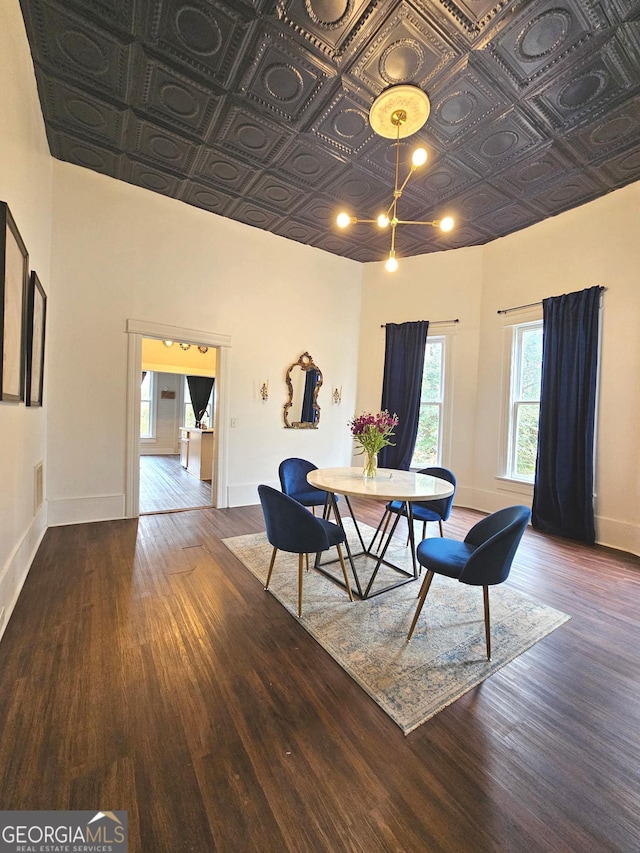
{"points": [[389, 484]]}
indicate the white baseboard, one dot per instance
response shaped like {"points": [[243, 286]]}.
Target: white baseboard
{"points": [[246, 494], [622, 535], [80, 510], [15, 570]]}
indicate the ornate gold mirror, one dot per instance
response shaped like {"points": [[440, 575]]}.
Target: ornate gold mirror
{"points": [[304, 380]]}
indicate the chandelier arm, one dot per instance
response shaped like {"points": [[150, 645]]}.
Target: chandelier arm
{"points": [[435, 222], [406, 181]]}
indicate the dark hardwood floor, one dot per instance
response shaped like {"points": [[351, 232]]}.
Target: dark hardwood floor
{"points": [[145, 669], [166, 486]]}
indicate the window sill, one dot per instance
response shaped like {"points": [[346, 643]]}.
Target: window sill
{"points": [[149, 440], [508, 484]]}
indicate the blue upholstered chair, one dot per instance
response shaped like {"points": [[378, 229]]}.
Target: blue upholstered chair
{"points": [[293, 480], [483, 559], [424, 511], [291, 527]]}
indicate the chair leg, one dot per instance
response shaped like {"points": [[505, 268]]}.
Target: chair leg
{"points": [[273, 559], [424, 589], [441, 528], [487, 623], [306, 556], [300, 577], [344, 572]]}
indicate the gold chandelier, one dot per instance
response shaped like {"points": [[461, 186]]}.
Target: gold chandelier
{"points": [[398, 112]]}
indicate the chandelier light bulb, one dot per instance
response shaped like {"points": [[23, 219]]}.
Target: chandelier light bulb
{"points": [[343, 220], [419, 157], [383, 220], [446, 224], [392, 264]]}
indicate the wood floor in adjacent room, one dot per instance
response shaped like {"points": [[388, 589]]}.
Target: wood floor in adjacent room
{"points": [[145, 669]]}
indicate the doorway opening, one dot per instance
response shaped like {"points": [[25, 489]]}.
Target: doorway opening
{"points": [[176, 457], [177, 413]]}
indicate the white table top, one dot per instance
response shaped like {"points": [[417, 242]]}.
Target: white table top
{"points": [[388, 485]]}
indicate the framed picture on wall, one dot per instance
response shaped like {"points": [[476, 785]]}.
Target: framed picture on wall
{"points": [[36, 318], [14, 273]]}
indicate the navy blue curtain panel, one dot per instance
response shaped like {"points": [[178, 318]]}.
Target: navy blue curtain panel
{"points": [[563, 491], [401, 386], [200, 388]]}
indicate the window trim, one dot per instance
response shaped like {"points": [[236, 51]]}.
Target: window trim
{"points": [[444, 424], [513, 352]]}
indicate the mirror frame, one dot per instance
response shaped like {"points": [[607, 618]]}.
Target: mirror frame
{"points": [[306, 363]]}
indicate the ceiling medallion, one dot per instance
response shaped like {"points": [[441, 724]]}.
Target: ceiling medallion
{"points": [[397, 113]]}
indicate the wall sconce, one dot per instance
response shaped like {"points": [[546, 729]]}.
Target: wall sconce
{"points": [[264, 390], [168, 343], [185, 347], [336, 396]]}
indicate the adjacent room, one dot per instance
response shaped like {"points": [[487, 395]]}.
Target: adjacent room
{"points": [[186, 324]]}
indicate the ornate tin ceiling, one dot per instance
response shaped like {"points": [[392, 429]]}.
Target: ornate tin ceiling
{"points": [[258, 110]]}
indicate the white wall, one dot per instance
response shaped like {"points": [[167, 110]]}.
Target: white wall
{"points": [[121, 252], [595, 244], [25, 184]]}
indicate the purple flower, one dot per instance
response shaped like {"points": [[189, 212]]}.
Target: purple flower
{"points": [[372, 432]]}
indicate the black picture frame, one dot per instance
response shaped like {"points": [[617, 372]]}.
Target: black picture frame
{"points": [[14, 276], [36, 326]]}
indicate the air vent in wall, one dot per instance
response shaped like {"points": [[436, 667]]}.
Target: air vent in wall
{"points": [[37, 487]]}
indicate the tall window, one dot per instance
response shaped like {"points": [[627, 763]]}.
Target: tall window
{"points": [[526, 367], [146, 406], [188, 417], [428, 450]]}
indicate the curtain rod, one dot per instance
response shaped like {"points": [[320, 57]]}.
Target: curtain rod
{"points": [[433, 323], [530, 305]]}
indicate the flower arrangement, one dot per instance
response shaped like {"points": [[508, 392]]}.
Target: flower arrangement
{"points": [[372, 433]]}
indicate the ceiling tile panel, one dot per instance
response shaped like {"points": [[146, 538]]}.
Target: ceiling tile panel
{"points": [[208, 38], [89, 155], [283, 81], [218, 170], [250, 135], [78, 112], [610, 132], [498, 142], [73, 47], [344, 124], [544, 34], [604, 78], [151, 178], [464, 100], [307, 166], [213, 200], [168, 97], [407, 49], [329, 25], [154, 144]]}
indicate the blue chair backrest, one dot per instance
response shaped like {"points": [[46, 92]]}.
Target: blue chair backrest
{"points": [[289, 525], [496, 539], [441, 506], [293, 475]]}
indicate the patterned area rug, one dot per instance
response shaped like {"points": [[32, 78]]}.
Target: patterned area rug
{"points": [[446, 656]]}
